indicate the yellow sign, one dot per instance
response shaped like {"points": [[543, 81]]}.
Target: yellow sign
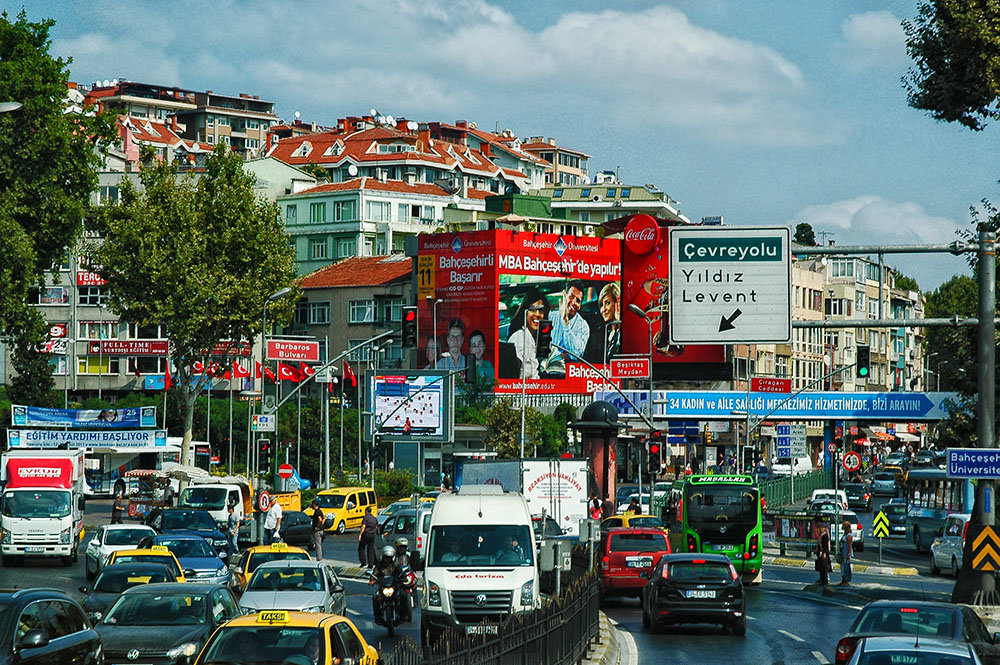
{"points": [[986, 550], [279, 547], [880, 525], [144, 579], [273, 616], [426, 277], [159, 548]]}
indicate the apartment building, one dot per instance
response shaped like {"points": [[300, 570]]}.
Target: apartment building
{"points": [[599, 203], [565, 165], [239, 121], [156, 103]]}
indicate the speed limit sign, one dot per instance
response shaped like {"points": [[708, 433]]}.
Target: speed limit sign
{"points": [[832, 447], [852, 461], [264, 500]]}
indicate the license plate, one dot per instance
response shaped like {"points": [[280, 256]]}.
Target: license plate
{"points": [[700, 593], [639, 561], [34, 550], [722, 548], [488, 629]]}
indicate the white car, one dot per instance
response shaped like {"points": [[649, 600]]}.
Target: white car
{"points": [[836, 518], [644, 503], [830, 495], [111, 538], [947, 548]]}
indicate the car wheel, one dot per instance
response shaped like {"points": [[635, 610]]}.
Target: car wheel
{"points": [[916, 540], [87, 572], [954, 567], [933, 565], [342, 527], [739, 627]]}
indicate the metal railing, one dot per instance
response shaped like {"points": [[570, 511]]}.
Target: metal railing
{"points": [[558, 633], [778, 492]]}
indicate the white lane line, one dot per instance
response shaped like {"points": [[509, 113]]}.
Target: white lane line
{"points": [[791, 635], [751, 618], [821, 658], [354, 612]]}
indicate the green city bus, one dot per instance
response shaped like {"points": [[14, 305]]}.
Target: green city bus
{"points": [[718, 515]]}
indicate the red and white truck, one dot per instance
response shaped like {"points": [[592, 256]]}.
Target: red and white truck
{"points": [[44, 496]]}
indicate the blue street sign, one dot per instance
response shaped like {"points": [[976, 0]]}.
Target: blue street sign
{"points": [[783, 448], [732, 405], [973, 463]]}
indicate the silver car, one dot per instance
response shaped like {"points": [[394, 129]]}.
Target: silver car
{"points": [[884, 483], [307, 586], [946, 550]]}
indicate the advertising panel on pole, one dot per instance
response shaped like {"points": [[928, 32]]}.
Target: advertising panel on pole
{"points": [[288, 349], [770, 385], [128, 347], [645, 283], [149, 439], [411, 406], [37, 416]]}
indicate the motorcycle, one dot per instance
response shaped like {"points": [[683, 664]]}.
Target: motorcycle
{"points": [[409, 588], [387, 601]]}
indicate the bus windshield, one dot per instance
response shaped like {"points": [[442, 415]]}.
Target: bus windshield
{"points": [[715, 503]]}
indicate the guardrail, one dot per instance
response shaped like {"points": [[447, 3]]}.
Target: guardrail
{"points": [[558, 633], [778, 492]]}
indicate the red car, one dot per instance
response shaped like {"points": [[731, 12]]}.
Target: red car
{"points": [[628, 557]]}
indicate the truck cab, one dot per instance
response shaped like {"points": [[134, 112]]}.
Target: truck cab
{"points": [[216, 495], [480, 565]]}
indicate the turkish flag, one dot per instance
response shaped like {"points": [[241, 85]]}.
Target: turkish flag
{"points": [[306, 370], [266, 370], [197, 367], [239, 371], [167, 378], [349, 374], [289, 373]]}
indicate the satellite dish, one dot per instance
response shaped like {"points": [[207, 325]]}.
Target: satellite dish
{"points": [[389, 120], [456, 199], [352, 170], [107, 83], [297, 115], [373, 113], [411, 125]]}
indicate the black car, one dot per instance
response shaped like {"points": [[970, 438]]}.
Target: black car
{"points": [[164, 623], [694, 588], [112, 580], [189, 522], [41, 626], [296, 528], [859, 496], [920, 618], [896, 512]]}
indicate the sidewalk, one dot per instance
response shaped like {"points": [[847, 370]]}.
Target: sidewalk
{"points": [[607, 650], [772, 557]]}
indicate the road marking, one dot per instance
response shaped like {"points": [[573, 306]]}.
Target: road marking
{"points": [[821, 658], [633, 651], [751, 618], [791, 635], [354, 612]]}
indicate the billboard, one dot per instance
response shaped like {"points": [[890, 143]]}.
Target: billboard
{"points": [[37, 416], [491, 289], [138, 440], [411, 406]]}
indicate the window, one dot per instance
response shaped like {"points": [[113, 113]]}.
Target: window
{"points": [[59, 364], [223, 121], [347, 247], [97, 330], [347, 641], [361, 311], [319, 313], [109, 194], [48, 295], [567, 230], [557, 194], [97, 365], [291, 214], [626, 191], [91, 295], [343, 211], [392, 310], [136, 331], [146, 365], [585, 193], [210, 119], [317, 249], [317, 212], [379, 211], [369, 246], [584, 216], [404, 213]]}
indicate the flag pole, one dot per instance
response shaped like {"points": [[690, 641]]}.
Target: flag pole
{"points": [[229, 458]]}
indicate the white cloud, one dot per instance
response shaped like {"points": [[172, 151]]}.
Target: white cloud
{"points": [[872, 39]]}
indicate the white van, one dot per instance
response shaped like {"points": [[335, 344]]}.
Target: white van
{"points": [[802, 465], [480, 563], [830, 495]]}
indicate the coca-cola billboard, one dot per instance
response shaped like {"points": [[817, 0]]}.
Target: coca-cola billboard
{"points": [[642, 234]]}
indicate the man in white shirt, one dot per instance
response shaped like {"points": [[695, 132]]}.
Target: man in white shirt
{"points": [[569, 330], [272, 523]]}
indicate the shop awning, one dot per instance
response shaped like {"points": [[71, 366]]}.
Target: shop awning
{"points": [[906, 436]]}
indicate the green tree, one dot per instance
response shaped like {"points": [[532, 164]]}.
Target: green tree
{"points": [[905, 283], [804, 234], [955, 45], [201, 257], [48, 164]]}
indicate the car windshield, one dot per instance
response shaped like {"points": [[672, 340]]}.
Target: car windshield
{"points": [[263, 557], [114, 580], [690, 571], [894, 509], [648, 521], [638, 542], [911, 657], [330, 500], [713, 503], [394, 508], [204, 498], [125, 536], [187, 547], [906, 620], [624, 492], [885, 476], [36, 503], [166, 609], [174, 520], [264, 644], [286, 579], [479, 546], [149, 558]]}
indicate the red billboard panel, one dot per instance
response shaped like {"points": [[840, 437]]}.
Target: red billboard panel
{"points": [[630, 368], [283, 349], [128, 347], [770, 385], [87, 278]]}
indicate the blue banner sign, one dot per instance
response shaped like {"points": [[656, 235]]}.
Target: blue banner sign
{"points": [[133, 440], [784, 444], [732, 405], [973, 463], [37, 416]]}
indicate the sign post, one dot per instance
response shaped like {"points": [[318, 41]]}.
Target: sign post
{"points": [[880, 529]]}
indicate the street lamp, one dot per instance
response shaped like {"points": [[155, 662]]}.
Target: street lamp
{"points": [[281, 293], [433, 303], [638, 311]]}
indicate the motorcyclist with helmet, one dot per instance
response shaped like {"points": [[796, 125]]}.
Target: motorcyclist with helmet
{"points": [[408, 577], [387, 566]]}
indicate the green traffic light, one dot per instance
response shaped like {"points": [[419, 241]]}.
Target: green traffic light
{"points": [[862, 371]]}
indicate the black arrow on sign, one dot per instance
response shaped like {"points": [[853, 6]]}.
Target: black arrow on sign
{"points": [[726, 323]]}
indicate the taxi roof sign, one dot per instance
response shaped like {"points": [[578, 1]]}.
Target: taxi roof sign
{"points": [[273, 616], [159, 548], [279, 547]]}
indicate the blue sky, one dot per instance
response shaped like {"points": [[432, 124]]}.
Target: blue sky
{"points": [[768, 113]]}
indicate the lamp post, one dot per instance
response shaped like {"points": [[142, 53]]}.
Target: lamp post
{"points": [[280, 293], [635, 309], [434, 302]]}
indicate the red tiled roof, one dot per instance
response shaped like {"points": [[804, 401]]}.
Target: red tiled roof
{"points": [[374, 184], [360, 271], [161, 132]]}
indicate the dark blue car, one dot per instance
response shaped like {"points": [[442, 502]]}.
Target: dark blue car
{"points": [[199, 560], [184, 521]]}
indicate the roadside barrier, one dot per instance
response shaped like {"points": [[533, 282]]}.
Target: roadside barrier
{"points": [[779, 490]]}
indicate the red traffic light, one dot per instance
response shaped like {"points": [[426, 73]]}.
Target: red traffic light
{"points": [[654, 448], [410, 315]]}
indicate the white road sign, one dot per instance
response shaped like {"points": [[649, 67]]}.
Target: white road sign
{"points": [[798, 440], [730, 285], [263, 423]]}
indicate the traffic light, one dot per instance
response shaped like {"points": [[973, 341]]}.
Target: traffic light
{"points": [[708, 437], [409, 327], [265, 453], [862, 367], [655, 446], [544, 344]]}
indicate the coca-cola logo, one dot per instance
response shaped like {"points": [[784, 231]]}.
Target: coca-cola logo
{"points": [[642, 235]]}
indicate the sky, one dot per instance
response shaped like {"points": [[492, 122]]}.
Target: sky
{"points": [[767, 113]]}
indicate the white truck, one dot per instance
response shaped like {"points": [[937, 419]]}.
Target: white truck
{"points": [[215, 494], [481, 565], [44, 497]]}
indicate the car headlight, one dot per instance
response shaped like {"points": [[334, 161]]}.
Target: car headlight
{"points": [[433, 594], [527, 593], [5, 536], [64, 536], [219, 543], [221, 571], [247, 610], [388, 591], [188, 649], [316, 608]]}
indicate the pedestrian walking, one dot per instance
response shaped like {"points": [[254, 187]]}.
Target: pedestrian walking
{"points": [[846, 553], [634, 507], [118, 508], [272, 523], [595, 508], [232, 532], [823, 565], [366, 540], [317, 529], [607, 508]]}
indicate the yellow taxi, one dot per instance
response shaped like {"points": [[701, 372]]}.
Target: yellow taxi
{"points": [[254, 556], [896, 471], [155, 554], [346, 505], [290, 638], [631, 519]]}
